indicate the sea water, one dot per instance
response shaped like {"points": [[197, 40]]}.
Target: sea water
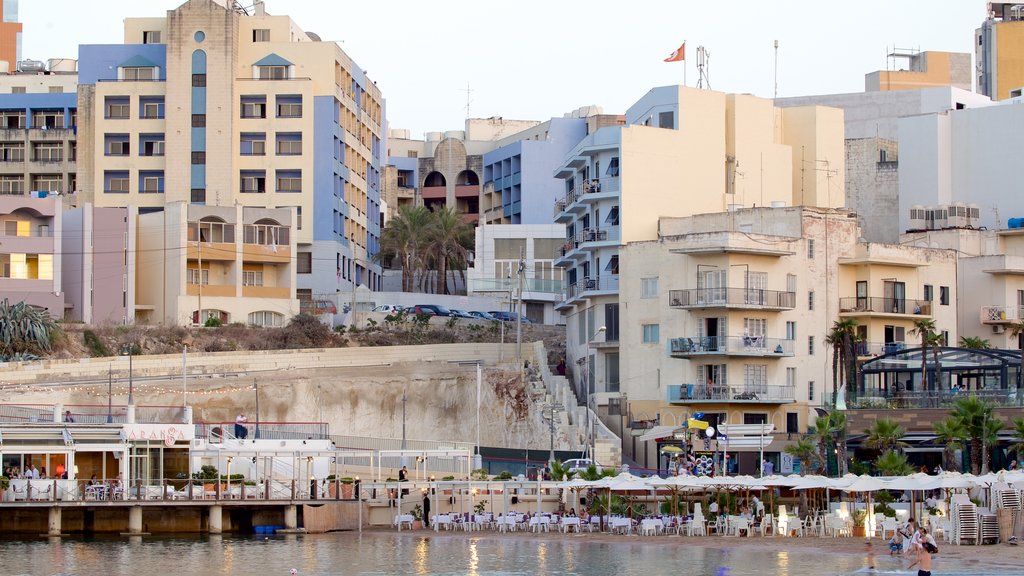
{"points": [[381, 554]]}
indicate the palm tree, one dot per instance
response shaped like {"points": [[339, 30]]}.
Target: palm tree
{"points": [[1016, 330], [892, 463], [830, 430], [974, 343], [450, 241], [925, 328], [807, 452], [950, 433], [981, 429], [1018, 434], [843, 341], [405, 237], [884, 435]]}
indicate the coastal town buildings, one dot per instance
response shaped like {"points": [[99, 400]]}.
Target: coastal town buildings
{"points": [[10, 35], [30, 252], [222, 107], [98, 270], [998, 51], [912, 69]]}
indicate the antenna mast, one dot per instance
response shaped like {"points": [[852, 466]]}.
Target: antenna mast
{"points": [[702, 72], [775, 94], [468, 91]]}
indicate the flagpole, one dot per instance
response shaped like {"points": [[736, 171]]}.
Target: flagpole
{"points": [[684, 63]]}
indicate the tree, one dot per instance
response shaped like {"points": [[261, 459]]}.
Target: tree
{"points": [[807, 452], [843, 341], [974, 343], [950, 433], [829, 431], [449, 243], [981, 429], [925, 328], [560, 471], [1018, 436], [25, 330], [884, 435], [1015, 331], [405, 238], [892, 463]]}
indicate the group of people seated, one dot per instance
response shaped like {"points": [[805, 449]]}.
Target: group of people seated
{"points": [[32, 473]]}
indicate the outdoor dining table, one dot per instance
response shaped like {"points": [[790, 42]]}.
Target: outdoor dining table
{"points": [[651, 526], [404, 520], [623, 524], [570, 522], [442, 521]]}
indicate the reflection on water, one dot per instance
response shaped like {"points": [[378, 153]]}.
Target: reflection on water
{"points": [[383, 554]]}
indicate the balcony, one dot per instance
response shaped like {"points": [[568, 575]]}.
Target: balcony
{"points": [[1001, 315], [589, 287], [265, 292], [225, 290], [740, 394], [884, 307], [738, 298], [504, 285], [587, 239], [758, 346], [872, 349], [874, 399], [588, 191]]}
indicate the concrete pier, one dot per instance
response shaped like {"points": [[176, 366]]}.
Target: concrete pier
{"points": [[291, 517], [135, 520], [216, 522], [53, 524]]}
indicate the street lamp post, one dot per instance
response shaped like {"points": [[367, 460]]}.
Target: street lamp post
{"points": [[110, 402], [129, 349], [256, 388], [404, 399]]}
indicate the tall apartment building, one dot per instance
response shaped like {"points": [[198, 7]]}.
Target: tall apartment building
{"points": [[10, 34], [218, 105], [30, 252], [683, 151], [98, 271], [728, 314], [999, 51]]}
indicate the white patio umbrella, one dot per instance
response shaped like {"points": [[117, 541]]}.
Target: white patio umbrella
{"points": [[913, 483]]}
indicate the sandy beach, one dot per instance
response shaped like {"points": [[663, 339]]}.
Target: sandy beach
{"points": [[1001, 557]]}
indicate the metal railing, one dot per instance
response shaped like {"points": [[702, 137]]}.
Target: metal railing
{"points": [[878, 348], [26, 413], [1001, 314], [608, 283], [590, 235], [218, 431], [505, 284], [739, 297], [885, 305], [740, 345], [726, 393], [887, 399], [591, 186]]}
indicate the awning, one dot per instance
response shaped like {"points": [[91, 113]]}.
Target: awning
{"points": [[137, 62], [659, 432], [273, 60]]}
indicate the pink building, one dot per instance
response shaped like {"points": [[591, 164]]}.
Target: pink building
{"points": [[30, 252], [98, 274]]}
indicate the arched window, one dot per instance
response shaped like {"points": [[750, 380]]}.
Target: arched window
{"points": [[435, 179], [467, 178], [266, 318]]}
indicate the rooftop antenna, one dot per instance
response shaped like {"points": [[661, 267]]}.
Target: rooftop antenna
{"points": [[702, 73], [775, 94], [468, 91]]}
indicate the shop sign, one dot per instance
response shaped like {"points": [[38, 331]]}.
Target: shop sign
{"points": [[166, 433]]}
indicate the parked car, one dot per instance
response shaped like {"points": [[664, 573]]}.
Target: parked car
{"points": [[508, 316], [481, 315], [460, 313], [388, 308], [579, 464], [431, 310]]}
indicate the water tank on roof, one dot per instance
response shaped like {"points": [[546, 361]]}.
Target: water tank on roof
{"points": [[31, 66], [1015, 223], [62, 65], [457, 134], [432, 136]]}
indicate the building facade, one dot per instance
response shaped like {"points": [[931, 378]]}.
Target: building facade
{"points": [[999, 51], [98, 268], [30, 252], [10, 34], [217, 106], [914, 70]]}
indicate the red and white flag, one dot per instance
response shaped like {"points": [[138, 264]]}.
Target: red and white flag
{"points": [[677, 55]]}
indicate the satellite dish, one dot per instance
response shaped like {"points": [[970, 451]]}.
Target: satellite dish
{"points": [[710, 431]]}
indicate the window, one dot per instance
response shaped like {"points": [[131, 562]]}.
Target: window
{"points": [[755, 378], [810, 391], [47, 119], [611, 372], [944, 295], [298, 217], [261, 35], [790, 330], [199, 80], [810, 249], [116, 107], [613, 265], [151, 144], [265, 318], [48, 182], [810, 300], [151, 37], [116, 144], [613, 216], [56, 89], [613, 167], [151, 107], [254, 181], [666, 120], [151, 181], [199, 120], [12, 151], [195, 277], [810, 345], [252, 278], [12, 119], [11, 184], [792, 423], [755, 418], [289, 143], [929, 293], [289, 180], [254, 106], [272, 72], [790, 377], [48, 151], [289, 106], [198, 196], [253, 144], [115, 181], [651, 333], [198, 158], [945, 337], [17, 89], [132, 73], [649, 287], [304, 261]]}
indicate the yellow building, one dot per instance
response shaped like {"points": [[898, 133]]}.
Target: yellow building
{"points": [[999, 51], [913, 69]]}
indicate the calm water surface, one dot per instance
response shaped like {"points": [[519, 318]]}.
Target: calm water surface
{"points": [[379, 554]]}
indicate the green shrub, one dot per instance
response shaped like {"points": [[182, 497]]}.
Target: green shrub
{"points": [[506, 475], [213, 322], [97, 349]]}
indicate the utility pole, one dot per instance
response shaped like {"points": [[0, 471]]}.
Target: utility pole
{"points": [[256, 387], [404, 399], [110, 384], [184, 376], [479, 380], [199, 273], [519, 311]]}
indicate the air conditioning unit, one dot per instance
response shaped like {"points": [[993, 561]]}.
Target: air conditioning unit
{"points": [[998, 329]]}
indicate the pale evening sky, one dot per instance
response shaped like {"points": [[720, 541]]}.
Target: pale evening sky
{"points": [[535, 59]]}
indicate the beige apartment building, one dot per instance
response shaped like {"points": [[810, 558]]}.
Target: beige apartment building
{"points": [[727, 314]]}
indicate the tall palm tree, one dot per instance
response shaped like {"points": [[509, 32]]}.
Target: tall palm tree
{"points": [[980, 426], [843, 341], [974, 343], [950, 433], [925, 328], [1018, 436], [450, 241], [884, 435], [807, 451], [405, 237], [829, 431], [892, 463]]}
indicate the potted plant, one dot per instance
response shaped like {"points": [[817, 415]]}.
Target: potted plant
{"points": [[207, 477], [858, 523], [417, 517]]}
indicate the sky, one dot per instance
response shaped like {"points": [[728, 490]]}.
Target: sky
{"points": [[532, 59]]}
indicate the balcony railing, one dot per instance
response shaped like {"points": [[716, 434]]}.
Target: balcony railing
{"points": [[218, 232], [683, 393], [591, 186], [887, 399], [730, 345], [265, 234], [877, 305], [608, 283], [878, 348], [590, 236], [1001, 314], [731, 297], [506, 284]]}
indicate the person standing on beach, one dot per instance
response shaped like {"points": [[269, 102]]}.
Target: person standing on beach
{"points": [[426, 509], [924, 559]]}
